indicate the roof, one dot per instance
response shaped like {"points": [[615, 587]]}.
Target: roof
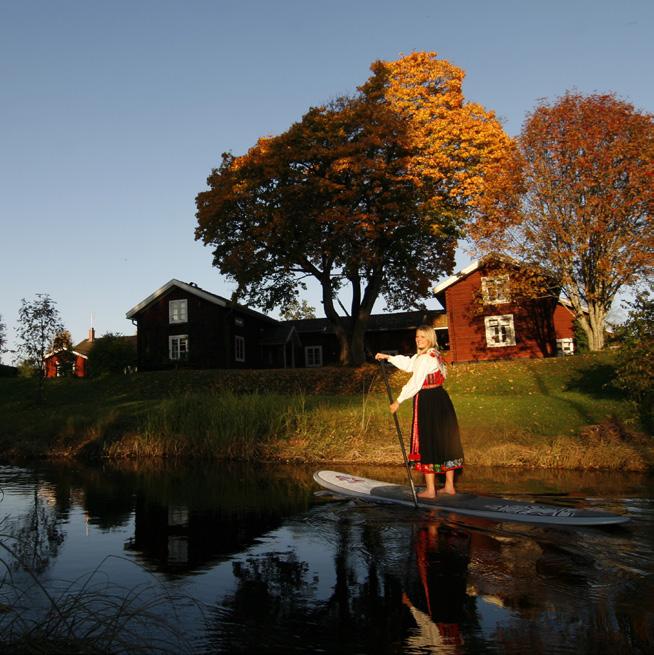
{"points": [[471, 268], [379, 322], [192, 288], [83, 348]]}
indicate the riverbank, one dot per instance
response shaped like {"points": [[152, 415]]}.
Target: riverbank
{"points": [[554, 413]]}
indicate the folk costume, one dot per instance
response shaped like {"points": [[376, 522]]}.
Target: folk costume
{"points": [[435, 440]]}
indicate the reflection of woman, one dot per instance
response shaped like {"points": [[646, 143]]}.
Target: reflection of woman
{"points": [[435, 441], [438, 603]]}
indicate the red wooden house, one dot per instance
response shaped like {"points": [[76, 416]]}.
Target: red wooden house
{"points": [[75, 362], [485, 323], [63, 362]]}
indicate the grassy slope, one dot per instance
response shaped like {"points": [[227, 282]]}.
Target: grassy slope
{"points": [[531, 413]]}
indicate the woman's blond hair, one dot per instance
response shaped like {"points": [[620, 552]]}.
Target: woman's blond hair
{"points": [[430, 333]]}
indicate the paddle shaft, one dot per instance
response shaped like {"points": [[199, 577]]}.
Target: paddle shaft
{"points": [[399, 434]]}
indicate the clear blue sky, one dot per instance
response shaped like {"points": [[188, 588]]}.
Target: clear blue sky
{"points": [[113, 114]]}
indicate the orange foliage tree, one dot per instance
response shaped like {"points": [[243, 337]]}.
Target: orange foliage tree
{"points": [[578, 200], [368, 193]]}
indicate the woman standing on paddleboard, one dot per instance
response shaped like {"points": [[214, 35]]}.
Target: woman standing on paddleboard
{"points": [[435, 441]]}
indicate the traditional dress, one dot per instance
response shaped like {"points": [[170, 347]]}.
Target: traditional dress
{"points": [[435, 440]]}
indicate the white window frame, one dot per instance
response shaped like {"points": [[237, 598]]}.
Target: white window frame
{"points": [[565, 346], [313, 356], [178, 311], [239, 348], [500, 331], [495, 290], [175, 351]]}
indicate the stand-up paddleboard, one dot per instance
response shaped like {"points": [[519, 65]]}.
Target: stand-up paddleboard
{"points": [[488, 507]]}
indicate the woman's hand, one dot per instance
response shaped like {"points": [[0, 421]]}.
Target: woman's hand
{"points": [[380, 356], [394, 406]]}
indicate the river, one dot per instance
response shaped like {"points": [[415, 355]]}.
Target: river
{"points": [[224, 558]]}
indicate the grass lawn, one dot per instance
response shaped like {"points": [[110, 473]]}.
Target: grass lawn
{"points": [[560, 412]]}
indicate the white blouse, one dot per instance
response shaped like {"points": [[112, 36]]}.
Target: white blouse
{"points": [[420, 366]]}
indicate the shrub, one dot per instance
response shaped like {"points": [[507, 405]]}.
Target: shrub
{"points": [[634, 373], [112, 353]]}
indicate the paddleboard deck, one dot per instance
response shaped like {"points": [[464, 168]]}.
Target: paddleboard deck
{"points": [[488, 507]]}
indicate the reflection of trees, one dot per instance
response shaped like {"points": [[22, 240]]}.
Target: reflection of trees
{"points": [[275, 608], [270, 610], [35, 536]]}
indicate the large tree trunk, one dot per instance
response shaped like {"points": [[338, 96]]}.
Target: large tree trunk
{"points": [[593, 324], [358, 343], [351, 332], [345, 352]]}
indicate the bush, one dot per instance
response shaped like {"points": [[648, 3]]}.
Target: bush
{"points": [[112, 353], [634, 374], [8, 371]]}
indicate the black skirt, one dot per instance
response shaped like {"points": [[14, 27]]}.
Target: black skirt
{"points": [[435, 439]]}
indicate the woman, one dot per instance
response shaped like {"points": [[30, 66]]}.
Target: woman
{"points": [[435, 441]]}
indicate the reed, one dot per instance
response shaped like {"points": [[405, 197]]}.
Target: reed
{"points": [[89, 615]]}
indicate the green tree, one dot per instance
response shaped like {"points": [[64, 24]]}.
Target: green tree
{"points": [[295, 310], [38, 325], [580, 337], [62, 345], [112, 353], [368, 193], [634, 374], [3, 337]]}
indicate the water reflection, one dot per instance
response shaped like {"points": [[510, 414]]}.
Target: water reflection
{"points": [[437, 597], [33, 536], [280, 570]]}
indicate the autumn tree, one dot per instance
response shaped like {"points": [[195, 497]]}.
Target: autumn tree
{"points": [[580, 202], [38, 324], [366, 194]]}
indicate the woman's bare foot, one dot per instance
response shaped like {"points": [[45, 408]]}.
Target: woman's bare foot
{"points": [[426, 494], [446, 492]]}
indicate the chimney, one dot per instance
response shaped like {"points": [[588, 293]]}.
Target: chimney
{"points": [[91, 334]]}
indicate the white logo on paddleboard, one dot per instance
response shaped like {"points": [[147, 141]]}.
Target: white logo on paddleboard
{"points": [[537, 510], [349, 479]]}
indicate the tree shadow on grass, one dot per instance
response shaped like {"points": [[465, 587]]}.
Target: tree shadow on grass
{"points": [[596, 380]]}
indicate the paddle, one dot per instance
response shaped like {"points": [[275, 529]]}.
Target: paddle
{"points": [[399, 433]]}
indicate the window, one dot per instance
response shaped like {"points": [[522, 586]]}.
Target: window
{"points": [[499, 331], [239, 349], [313, 356], [178, 311], [178, 347], [495, 290], [565, 346]]}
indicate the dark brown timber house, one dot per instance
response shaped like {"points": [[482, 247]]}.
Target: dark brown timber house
{"points": [[181, 324]]}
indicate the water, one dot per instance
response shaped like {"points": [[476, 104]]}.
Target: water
{"points": [[240, 559]]}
